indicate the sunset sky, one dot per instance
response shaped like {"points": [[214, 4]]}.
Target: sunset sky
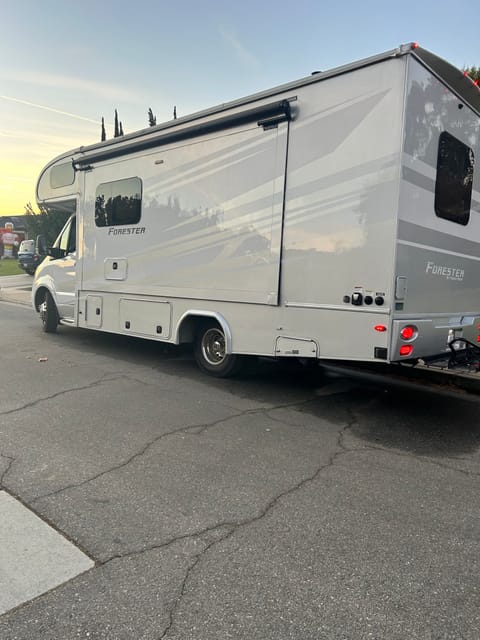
{"points": [[65, 64]]}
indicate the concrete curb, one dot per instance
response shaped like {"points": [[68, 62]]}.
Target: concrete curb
{"points": [[18, 296]]}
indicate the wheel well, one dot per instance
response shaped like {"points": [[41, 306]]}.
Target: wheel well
{"points": [[191, 322], [40, 296]]}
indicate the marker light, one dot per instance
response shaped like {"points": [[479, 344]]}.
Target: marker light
{"points": [[406, 349], [380, 327], [409, 332]]}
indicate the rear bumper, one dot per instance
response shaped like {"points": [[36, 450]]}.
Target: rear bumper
{"points": [[433, 335]]}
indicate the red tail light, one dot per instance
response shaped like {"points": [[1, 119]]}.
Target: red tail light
{"points": [[406, 349], [409, 332]]}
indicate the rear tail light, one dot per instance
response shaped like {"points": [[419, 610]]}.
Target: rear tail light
{"points": [[406, 350], [409, 332]]}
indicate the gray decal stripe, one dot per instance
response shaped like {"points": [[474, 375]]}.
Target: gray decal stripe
{"points": [[409, 232], [418, 179], [424, 182], [233, 152]]}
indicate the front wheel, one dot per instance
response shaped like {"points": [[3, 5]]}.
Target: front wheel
{"points": [[49, 314], [210, 352]]}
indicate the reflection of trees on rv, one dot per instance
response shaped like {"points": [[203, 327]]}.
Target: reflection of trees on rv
{"points": [[431, 109], [116, 210], [203, 231], [199, 232], [440, 133]]}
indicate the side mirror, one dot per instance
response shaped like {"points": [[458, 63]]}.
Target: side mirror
{"points": [[55, 253]]}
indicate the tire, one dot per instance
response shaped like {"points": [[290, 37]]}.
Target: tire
{"points": [[209, 351], [49, 314]]}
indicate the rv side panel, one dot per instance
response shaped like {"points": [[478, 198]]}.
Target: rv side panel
{"points": [[341, 205]]}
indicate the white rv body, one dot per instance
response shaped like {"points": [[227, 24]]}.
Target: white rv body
{"points": [[304, 221]]}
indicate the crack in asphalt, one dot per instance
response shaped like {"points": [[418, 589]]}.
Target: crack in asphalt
{"points": [[7, 469], [235, 526], [33, 403], [183, 586], [196, 429], [341, 450]]}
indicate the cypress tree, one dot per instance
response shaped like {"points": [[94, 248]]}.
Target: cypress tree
{"points": [[152, 120]]}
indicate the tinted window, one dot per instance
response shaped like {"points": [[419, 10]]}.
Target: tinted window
{"points": [[62, 175], [118, 203], [453, 189]]}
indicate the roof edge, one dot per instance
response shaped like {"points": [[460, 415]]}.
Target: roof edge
{"points": [[455, 79]]}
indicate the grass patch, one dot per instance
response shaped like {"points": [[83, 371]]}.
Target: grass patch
{"points": [[9, 267]]}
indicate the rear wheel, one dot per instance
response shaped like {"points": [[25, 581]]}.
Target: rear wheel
{"points": [[210, 352], [49, 314]]}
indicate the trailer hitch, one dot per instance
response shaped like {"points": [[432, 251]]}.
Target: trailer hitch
{"points": [[466, 356]]}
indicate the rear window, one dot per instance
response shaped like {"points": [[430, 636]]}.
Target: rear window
{"points": [[27, 246], [453, 189]]}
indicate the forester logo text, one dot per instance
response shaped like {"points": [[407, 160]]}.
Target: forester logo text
{"points": [[126, 231], [450, 273]]}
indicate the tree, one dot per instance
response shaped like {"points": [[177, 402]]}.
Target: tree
{"points": [[175, 112], [104, 133], [117, 130], [152, 120], [47, 222], [120, 129]]}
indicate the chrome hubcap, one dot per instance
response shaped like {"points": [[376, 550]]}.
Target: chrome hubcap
{"points": [[213, 346]]}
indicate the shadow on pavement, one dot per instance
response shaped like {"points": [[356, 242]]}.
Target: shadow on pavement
{"points": [[419, 421]]}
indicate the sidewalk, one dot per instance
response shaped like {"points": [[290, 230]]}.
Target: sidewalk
{"points": [[16, 289]]}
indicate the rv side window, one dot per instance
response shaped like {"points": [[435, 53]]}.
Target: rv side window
{"points": [[118, 202], [453, 189], [62, 175]]}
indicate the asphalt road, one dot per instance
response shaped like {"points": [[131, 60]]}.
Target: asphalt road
{"points": [[279, 505]]}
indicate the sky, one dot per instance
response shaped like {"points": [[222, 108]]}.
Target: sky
{"points": [[66, 63]]}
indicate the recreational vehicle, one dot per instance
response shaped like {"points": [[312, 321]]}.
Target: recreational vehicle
{"points": [[335, 217]]}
